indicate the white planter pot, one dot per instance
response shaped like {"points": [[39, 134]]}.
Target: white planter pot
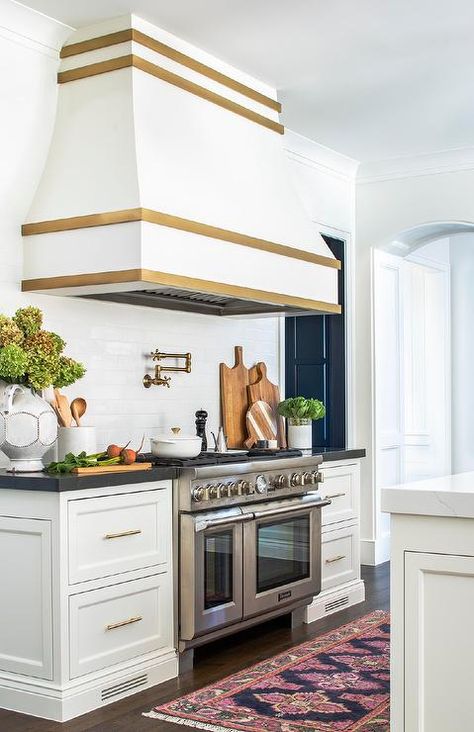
{"points": [[300, 436], [28, 428], [76, 440]]}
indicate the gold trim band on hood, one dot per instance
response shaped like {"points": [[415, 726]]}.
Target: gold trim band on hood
{"points": [[180, 281], [132, 34], [131, 60], [175, 222]]}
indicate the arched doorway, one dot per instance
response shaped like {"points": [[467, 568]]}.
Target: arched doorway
{"points": [[413, 344]]}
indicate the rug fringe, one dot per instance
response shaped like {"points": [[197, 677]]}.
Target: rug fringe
{"points": [[187, 722]]}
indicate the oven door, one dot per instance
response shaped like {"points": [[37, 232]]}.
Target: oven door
{"points": [[211, 576], [282, 554]]}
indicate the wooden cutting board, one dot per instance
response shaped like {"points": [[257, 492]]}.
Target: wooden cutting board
{"points": [[234, 398], [261, 389], [261, 423], [135, 467]]}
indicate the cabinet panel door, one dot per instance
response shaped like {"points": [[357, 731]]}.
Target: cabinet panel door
{"points": [[26, 633], [439, 642], [115, 534], [340, 556], [341, 485], [114, 624]]}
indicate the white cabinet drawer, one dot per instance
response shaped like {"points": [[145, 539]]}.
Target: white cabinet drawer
{"points": [[341, 485], [117, 623], [340, 556], [114, 534]]}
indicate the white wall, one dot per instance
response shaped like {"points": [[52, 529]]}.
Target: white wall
{"points": [[462, 340], [114, 340]]}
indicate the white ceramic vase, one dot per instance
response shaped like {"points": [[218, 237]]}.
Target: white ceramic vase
{"points": [[300, 434], [28, 428]]}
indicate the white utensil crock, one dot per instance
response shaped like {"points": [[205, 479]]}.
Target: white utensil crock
{"points": [[76, 440], [28, 428]]}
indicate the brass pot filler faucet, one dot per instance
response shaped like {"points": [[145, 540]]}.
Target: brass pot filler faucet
{"points": [[158, 379]]}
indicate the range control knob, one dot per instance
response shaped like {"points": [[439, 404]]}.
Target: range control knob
{"points": [[226, 490], [214, 492], [296, 480], [280, 481], [308, 479], [198, 493], [246, 488], [261, 485], [317, 476], [234, 489]]}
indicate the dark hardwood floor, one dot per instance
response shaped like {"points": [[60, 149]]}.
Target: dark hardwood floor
{"points": [[212, 663]]}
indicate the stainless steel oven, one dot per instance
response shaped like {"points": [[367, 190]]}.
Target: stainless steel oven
{"points": [[245, 561]]}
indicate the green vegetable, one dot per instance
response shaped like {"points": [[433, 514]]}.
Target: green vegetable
{"points": [[32, 356], [82, 461], [299, 408]]}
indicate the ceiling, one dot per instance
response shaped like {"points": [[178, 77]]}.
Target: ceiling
{"points": [[372, 79]]}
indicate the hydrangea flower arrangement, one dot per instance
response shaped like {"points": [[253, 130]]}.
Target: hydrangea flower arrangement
{"points": [[32, 356]]}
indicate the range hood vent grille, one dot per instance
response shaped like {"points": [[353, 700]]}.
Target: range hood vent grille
{"points": [[169, 298], [189, 295]]}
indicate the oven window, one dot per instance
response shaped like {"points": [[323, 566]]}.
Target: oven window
{"points": [[283, 552], [218, 568]]}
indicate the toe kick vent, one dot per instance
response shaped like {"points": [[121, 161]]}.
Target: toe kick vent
{"points": [[336, 604], [124, 687]]}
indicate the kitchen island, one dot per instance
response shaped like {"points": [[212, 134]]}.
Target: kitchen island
{"points": [[432, 603]]}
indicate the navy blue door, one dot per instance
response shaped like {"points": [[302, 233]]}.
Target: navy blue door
{"points": [[315, 363]]}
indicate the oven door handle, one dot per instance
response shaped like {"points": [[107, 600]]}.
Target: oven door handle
{"points": [[212, 523], [291, 509]]}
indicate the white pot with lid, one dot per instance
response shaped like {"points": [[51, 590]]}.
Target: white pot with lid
{"points": [[176, 445]]}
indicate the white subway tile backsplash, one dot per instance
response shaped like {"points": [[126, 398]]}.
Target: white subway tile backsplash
{"points": [[115, 341]]}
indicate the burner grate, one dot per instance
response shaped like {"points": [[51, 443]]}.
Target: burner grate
{"points": [[223, 458]]}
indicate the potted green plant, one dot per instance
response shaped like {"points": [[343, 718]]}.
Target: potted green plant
{"points": [[300, 413], [31, 361]]}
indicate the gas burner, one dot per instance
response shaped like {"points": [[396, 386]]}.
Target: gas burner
{"points": [[261, 454], [205, 458], [216, 458]]}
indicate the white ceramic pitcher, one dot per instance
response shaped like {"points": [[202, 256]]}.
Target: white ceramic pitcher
{"points": [[28, 428]]}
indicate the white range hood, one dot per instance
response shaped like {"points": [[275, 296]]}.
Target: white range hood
{"points": [[167, 184]]}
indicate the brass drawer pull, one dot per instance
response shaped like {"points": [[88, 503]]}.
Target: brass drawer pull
{"points": [[335, 495], [131, 532], [335, 559], [113, 626]]}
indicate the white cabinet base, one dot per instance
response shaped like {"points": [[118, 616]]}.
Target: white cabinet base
{"points": [[335, 599], [46, 701], [85, 627]]}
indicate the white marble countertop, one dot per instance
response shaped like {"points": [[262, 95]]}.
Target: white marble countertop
{"points": [[451, 495]]}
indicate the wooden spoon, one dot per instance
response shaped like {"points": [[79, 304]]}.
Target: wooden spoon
{"points": [[63, 408], [78, 409]]}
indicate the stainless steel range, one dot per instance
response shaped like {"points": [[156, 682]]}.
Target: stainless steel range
{"points": [[249, 545]]}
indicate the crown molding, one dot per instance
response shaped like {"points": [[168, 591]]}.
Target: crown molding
{"points": [[306, 151], [443, 161], [26, 27]]}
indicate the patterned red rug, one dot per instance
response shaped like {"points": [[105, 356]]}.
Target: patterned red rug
{"points": [[338, 682]]}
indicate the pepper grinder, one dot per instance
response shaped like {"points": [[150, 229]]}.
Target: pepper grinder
{"points": [[201, 417]]}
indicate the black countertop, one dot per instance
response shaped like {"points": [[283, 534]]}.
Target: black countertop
{"points": [[61, 483], [67, 482], [331, 454]]}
